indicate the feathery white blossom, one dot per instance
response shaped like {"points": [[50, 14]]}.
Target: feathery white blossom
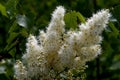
{"points": [[53, 36], [84, 44], [59, 50], [94, 26], [20, 71], [54, 31], [34, 58]]}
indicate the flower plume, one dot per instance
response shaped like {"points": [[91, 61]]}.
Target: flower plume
{"points": [[60, 51]]}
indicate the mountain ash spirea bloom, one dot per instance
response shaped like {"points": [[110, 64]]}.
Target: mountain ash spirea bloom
{"points": [[61, 51]]}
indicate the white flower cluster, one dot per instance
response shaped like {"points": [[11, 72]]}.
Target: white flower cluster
{"points": [[20, 71], [59, 49]]}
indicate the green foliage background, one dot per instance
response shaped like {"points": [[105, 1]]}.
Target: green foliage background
{"points": [[19, 18]]}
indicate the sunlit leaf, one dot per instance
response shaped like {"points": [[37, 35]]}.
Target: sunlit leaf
{"points": [[3, 10], [72, 19], [81, 18]]}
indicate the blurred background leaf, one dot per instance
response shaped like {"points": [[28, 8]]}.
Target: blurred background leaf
{"points": [[3, 10]]}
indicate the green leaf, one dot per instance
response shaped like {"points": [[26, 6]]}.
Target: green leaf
{"points": [[14, 27], [80, 16], [11, 7], [11, 41], [116, 57], [12, 37], [107, 47], [12, 52], [72, 18], [3, 10], [23, 32], [11, 48], [115, 31]]}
